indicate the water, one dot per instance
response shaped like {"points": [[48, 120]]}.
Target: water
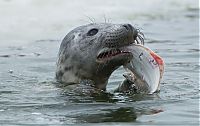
{"points": [[31, 32]]}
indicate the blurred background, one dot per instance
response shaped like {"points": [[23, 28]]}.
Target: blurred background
{"points": [[23, 21], [32, 30]]}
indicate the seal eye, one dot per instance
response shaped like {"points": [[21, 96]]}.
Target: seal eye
{"points": [[92, 32]]}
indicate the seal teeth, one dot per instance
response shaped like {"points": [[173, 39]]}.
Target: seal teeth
{"points": [[113, 52], [102, 55], [106, 53], [118, 51], [110, 53]]}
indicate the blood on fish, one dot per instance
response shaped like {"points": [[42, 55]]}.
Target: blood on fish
{"points": [[157, 58]]}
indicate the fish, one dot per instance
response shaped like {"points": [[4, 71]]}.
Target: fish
{"points": [[144, 72]]}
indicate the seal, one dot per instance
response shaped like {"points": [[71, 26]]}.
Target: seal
{"points": [[93, 52]]}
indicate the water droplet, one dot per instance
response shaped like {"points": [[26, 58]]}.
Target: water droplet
{"points": [[10, 71]]}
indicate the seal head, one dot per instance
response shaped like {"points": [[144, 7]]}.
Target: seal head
{"points": [[93, 52]]}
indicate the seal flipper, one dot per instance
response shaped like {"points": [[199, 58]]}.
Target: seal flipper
{"points": [[128, 84], [132, 84]]}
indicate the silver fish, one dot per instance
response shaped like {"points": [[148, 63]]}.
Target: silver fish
{"points": [[144, 72]]}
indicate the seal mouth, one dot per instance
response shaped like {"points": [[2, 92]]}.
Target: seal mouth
{"points": [[107, 54]]}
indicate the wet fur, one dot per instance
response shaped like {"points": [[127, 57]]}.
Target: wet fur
{"points": [[78, 51]]}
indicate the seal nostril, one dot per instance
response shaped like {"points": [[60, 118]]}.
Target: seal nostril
{"points": [[125, 26], [130, 26]]}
